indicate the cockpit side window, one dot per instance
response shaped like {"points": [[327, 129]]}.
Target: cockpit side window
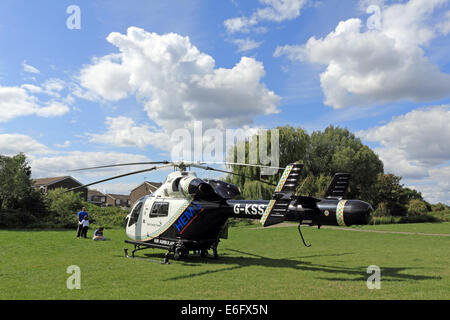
{"points": [[160, 209], [135, 214]]}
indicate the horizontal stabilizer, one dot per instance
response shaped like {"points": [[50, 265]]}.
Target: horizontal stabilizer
{"points": [[338, 185]]}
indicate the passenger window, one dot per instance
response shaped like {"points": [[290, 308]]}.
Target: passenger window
{"points": [[135, 214], [160, 209]]}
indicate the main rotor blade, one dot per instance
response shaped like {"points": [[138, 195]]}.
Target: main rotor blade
{"points": [[119, 176], [241, 164], [229, 172], [122, 164]]}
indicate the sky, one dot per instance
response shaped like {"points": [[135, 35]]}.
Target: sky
{"points": [[90, 83]]}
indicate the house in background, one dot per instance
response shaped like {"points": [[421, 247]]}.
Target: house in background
{"points": [[96, 197], [142, 190], [46, 184], [117, 200]]}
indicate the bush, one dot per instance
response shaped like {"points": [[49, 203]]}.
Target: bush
{"points": [[439, 207], [62, 207], [16, 219], [382, 210], [418, 219], [384, 220], [443, 215], [417, 207], [107, 216]]}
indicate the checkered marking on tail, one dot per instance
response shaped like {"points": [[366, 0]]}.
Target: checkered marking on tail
{"points": [[279, 187], [340, 213], [284, 177], [266, 213]]}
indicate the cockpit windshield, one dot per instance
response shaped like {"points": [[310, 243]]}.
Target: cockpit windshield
{"points": [[135, 213]]}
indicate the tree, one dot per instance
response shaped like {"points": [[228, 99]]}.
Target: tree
{"points": [[394, 195], [293, 143], [323, 154], [16, 186], [63, 206], [338, 150]]}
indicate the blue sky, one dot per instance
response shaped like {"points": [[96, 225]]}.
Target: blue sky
{"points": [[115, 89]]}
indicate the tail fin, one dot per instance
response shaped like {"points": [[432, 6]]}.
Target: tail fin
{"points": [[338, 185], [282, 196]]}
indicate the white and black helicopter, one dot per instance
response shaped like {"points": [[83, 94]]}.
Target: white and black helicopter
{"points": [[191, 214]]}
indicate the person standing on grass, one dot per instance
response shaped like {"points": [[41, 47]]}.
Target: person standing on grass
{"points": [[80, 218], [85, 224]]}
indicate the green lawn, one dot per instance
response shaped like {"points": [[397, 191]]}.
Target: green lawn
{"points": [[254, 263]]}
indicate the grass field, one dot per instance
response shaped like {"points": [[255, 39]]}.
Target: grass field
{"points": [[254, 263]]}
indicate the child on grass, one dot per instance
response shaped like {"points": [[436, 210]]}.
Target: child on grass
{"points": [[85, 227], [98, 234]]}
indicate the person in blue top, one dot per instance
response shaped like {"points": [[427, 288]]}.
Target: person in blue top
{"points": [[80, 218], [98, 234]]}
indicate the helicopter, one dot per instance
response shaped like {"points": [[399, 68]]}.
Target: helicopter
{"points": [[187, 213]]}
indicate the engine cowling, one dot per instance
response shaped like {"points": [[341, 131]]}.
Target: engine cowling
{"points": [[191, 186]]}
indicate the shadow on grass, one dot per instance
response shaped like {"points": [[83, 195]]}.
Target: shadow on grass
{"points": [[295, 263]]}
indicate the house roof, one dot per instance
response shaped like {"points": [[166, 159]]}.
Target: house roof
{"points": [[50, 181], [152, 185], [118, 196], [93, 192]]}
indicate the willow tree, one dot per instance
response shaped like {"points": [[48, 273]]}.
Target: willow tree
{"points": [[323, 153]]}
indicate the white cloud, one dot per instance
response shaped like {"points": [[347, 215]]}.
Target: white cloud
{"points": [[415, 146], [32, 88], [107, 78], [30, 69], [274, 10], [45, 162], [16, 102], [364, 4], [193, 144], [12, 144], [66, 144], [436, 188], [432, 193], [444, 26], [53, 87], [177, 84], [62, 163], [398, 162], [52, 109], [123, 132], [246, 44], [117, 187], [422, 135], [377, 66]]}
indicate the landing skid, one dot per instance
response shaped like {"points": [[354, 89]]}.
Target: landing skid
{"points": [[142, 246], [165, 261], [179, 250]]}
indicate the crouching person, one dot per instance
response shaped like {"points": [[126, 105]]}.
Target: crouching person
{"points": [[98, 234]]}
